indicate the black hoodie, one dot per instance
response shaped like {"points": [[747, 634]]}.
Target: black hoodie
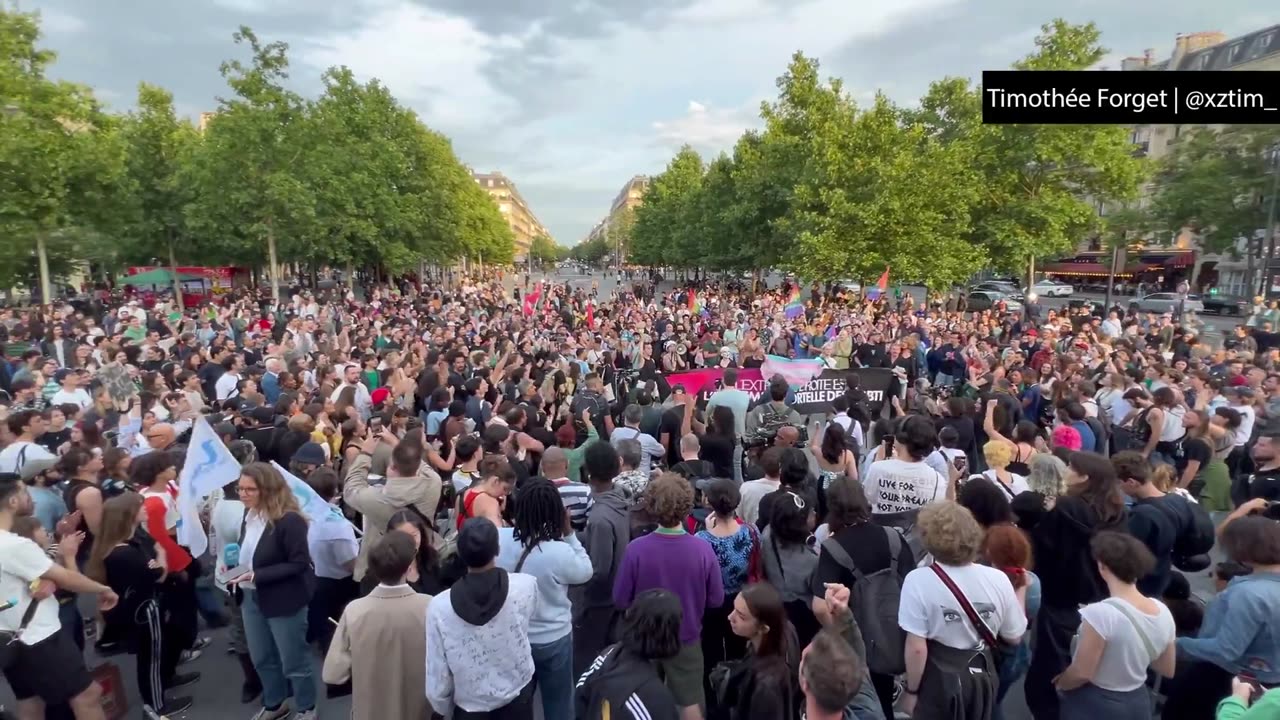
{"points": [[1064, 562], [628, 685], [478, 596]]}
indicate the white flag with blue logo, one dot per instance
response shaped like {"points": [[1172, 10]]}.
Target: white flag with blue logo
{"points": [[208, 467], [316, 508]]}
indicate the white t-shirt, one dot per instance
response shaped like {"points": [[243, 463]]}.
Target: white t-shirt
{"points": [[1245, 431], [21, 563], [1124, 662], [79, 397], [225, 388], [21, 452], [333, 545], [894, 486], [929, 610], [1017, 484]]}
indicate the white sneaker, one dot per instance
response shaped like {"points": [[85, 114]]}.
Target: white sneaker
{"points": [[306, 715], [281, 713]]}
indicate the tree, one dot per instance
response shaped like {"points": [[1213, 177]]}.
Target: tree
{"points": [[542, 250], [591, 251], [620, 230], [251, 197], [1217, 183], [159, 145], [61, 162], [664, 232], [1040, 182]]}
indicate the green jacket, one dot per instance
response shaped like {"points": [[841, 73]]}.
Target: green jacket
{"points": [[1267, 708]]}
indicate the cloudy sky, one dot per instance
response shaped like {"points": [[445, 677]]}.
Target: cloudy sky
{"points": [[570, 98]]}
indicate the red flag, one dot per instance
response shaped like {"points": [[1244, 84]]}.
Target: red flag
{"points": [[531, 301], [693, 300], [591, 317]]}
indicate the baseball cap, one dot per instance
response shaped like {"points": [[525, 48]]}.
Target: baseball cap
{"points": [[309, 454]]}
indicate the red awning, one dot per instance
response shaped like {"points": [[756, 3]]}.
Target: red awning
{"points": [[1082, 269]]}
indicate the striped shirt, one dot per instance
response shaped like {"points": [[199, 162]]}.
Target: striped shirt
{"points": [[577, 500]]}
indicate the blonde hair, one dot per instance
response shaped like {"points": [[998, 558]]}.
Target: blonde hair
{"points": [[998, 454], [1162, 477], [274, 496], [951, 534]]}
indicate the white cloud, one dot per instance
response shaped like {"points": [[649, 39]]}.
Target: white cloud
{"points": [[59, 22], [430, 60], [706, 129]]}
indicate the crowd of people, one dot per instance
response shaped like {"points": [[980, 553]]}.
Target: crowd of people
{"points": [[539, 522]]}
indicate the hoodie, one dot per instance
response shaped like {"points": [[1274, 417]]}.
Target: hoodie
{"points": [[378, 504], [606, 536], [1060, 541], [478, 655], [627, 685]]}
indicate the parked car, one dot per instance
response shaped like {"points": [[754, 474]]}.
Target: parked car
{"points": [[852, 286], [1008, 290], [980, 300], [1166, 302], [1050, 288], [1226, 305]]}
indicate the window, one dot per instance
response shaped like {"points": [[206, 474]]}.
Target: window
{"points": [[1234, 54], [1268, 39]]}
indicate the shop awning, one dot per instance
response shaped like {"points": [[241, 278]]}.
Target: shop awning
{"points": [[159, 276], [1089, 269]]}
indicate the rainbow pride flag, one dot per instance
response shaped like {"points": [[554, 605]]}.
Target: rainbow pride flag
{"points": [[882, 285], [794, 308]]}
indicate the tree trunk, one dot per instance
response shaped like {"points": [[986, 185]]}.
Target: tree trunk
{"points": [[272, 267], [173, 268], [1031, 271], [42, 256]]}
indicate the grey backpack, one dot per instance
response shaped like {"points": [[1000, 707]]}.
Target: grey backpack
{"points": [[873, 601]]}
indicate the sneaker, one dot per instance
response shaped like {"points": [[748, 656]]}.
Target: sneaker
{"points": [[306, 715], [189, 656], [173, 706], [182, 680], [201, 643], [281, 713]]}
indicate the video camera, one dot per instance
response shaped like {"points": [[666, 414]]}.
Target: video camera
{"points": [[765, 436]]}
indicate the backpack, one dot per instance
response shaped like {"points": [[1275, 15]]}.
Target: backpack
{"points": [[850, 440], [874, 600], [1196, 534]]}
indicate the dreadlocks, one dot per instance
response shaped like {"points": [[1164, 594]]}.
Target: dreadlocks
{"points": [[539, 513]]}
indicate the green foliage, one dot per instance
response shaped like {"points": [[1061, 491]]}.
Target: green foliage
{"points": [[831, 190], [592, 251], [1216, 182], [61, 161], [542, 250]]}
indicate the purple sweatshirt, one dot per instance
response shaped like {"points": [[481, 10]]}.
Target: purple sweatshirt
{"points": [[683, 564]]}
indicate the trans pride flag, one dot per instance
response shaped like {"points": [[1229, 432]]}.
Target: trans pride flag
{"points": [[797, 373]]}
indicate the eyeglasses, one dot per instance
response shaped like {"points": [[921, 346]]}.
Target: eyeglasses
{"points": [[246, 490]]}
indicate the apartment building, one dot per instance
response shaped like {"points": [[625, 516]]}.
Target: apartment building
{"points": [[524, 224]]}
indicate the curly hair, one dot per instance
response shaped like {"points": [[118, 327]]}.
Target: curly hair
{"points": [[1048, 475], [668, 499], [651, 626], [951, 534], [1007, 548]]}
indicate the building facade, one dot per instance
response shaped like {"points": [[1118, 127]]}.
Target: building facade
{"points": [[1258, 50], [524, 224], [630, 197]]}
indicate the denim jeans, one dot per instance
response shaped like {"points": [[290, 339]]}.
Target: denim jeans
{"points": [[278, 647], [553, 672]]}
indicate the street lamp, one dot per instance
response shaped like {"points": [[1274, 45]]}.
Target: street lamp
{"points": [[1265, 285], [42, 254]]}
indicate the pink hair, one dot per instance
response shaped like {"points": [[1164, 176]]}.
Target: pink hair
{"points": [[1067, 437]]}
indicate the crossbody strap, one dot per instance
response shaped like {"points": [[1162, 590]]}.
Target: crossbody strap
{"points": [[525, 556], [27, 616], [1124, 609], [979, 625]]}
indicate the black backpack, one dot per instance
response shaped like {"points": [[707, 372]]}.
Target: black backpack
{"points": [[1196, 534]]}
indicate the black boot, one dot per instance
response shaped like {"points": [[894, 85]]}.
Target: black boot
{"points": [[252, 687]]}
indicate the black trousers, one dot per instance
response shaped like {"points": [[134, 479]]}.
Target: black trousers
{"points": [[1195, 693], [593, 631], [1054, 629], [178, 602], [157, 653], [718, 641], [328, 601]]}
